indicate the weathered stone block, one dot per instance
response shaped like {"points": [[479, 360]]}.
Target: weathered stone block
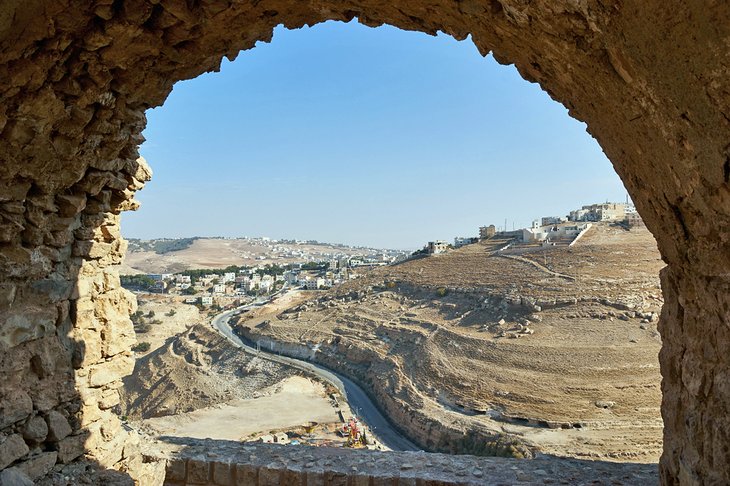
{"points": [[198, 472], [55, 288], [223, 473], [35, 430], [269, 476], [70, 448], [246, 474], [70, 205], [112, 370], [58, 427], [12, 449], [14, 477], [292, 476], [335, 479], [37, 466], [315, 478], [175, 470], [24, 324], [107, 451], [91, 249], [109, 398], [15, 405]]}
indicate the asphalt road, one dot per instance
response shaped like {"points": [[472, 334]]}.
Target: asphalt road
{"points": [[359, 401]]}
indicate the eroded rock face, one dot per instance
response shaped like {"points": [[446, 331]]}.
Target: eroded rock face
{"points": [[649, 79]]}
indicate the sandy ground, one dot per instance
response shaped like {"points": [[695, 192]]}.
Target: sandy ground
{"points": [[296, 402], [185, 316]]}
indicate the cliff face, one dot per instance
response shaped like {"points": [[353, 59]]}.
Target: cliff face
{"points": [[648, 78]]}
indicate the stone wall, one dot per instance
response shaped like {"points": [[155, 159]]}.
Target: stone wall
{"points": [[224, 463], [66, 334], [650, 79]]}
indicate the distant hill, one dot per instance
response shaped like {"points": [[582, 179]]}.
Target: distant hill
{"points": [[160, 246], [174, 255]]}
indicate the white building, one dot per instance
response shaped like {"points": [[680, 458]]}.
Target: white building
{"points": [[436, 247], [460, 241], [534, 234], [548, 220], [314, 283], [633, 220], [229, 277], [291, 277], [206, 300], [219, 289], [600, 212]]}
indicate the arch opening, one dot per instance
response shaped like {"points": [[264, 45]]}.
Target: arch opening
{"points": [[483, 303]]}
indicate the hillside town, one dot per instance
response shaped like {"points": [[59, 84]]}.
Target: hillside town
{"points": [[550, 230], [234, 285], [327, 266]]}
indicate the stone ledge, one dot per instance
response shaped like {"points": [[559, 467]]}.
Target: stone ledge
{"points": [[228, 463]]}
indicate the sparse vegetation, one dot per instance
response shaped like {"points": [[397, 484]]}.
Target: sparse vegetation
{"points": [[161, 246], [137, 282], [141, 347]]}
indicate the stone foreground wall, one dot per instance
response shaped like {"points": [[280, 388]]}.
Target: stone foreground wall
{"points": [[66, 334], [650, 79], [224, 463]]}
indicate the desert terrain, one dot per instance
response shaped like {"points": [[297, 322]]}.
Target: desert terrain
{"points": [[218, 253], [192, 383], [514, 352]]}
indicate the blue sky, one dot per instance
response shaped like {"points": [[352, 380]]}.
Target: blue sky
{"points": [[377, 137]]}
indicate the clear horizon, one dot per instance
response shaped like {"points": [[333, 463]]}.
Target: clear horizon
{"points": [[368, 137]]}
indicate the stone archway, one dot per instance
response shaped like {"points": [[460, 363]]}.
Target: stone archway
{"points": [[648, 78]]}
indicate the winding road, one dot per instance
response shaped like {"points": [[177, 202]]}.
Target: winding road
{"points": [[359, 401]]}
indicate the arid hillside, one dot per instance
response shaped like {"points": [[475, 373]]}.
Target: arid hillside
{"points": [[556, 348], [193, 370], [223, 252]]}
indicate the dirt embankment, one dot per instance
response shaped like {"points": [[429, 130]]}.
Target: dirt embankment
{"points": [[481, 345], [193, 370]]}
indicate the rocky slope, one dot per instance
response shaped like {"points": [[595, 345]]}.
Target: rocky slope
{"points": [[193, 370], [475, 351]]}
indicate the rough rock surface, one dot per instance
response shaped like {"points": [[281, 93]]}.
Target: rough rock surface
{"points": [[650, 79]]}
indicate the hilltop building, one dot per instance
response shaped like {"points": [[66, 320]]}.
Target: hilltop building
{"points": [[487, 231], [599, 212], [460, 241], [548, 220], [633, 220], [436, 247], [564, 232]]}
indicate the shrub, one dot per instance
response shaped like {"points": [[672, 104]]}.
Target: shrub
{"points": [[141, 347], [442, 291], [171, 313], [143, 327], [151, 314]]}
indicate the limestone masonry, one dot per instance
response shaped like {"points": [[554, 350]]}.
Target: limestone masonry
{"points": [[650, 79]]}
